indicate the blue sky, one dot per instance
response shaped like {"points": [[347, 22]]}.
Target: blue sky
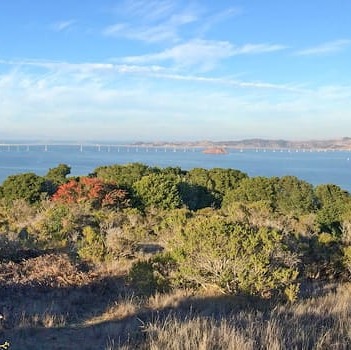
{"points": [[175, 70]]}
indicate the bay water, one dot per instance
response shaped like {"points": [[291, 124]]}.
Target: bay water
{"points": [[315, 167]]}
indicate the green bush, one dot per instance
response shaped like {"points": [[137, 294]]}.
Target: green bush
{"points": [[54, 226], [27, 186], [159, 190], [236, 258], [154, 275], [91, 246]]}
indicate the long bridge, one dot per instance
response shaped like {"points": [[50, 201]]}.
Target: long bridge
{"points": [[99, 147], [104, 147]]}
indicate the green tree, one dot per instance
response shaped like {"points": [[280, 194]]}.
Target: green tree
{"points": [[27, 186], [209, 186], [225, 180], [159, 190], [56, 177], [333, 202], [123, 175], [58, 174], [175, 171], [253, 189], [294, 196], [196, 196], [201, 177]]}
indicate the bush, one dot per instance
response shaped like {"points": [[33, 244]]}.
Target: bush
{"points": [[159, 190], [237, 258], [27, 186], [123, 175], [91, 246], [152, 276], [333, 205], [54, 225], [92, 190]]}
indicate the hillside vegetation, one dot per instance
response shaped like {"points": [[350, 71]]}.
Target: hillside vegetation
{"points": [[134, 256]]}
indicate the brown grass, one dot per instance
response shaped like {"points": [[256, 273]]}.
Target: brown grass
{"points": [[317, 323], [49, 302]]}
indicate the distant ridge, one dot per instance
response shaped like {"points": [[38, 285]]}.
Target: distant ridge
{"points": [[257, 143], [254, 143]]}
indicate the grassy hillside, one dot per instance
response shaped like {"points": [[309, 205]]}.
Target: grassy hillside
{"points": [[133, 257]]}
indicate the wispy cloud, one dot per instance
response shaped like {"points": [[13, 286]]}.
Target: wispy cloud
{"points": [[164, 31], [203, 53], [230, 82], [251, 49], [150, 21], [165, 21], [191, 53], [150, 11], [105, 71], [62, 25], [110, 102], [325, 48], [89, 69], [212, 20]]}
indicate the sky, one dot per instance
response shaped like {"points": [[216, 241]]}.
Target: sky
{"points": [[175, 70]]}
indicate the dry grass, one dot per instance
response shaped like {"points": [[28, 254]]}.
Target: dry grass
{"points": [[47, 271], [318, 323], [48, 302], [122, 308], [171, 300]]}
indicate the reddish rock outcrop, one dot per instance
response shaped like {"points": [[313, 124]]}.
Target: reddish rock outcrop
{"points": [[215, 150]]}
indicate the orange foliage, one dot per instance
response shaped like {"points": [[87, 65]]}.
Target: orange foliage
{"points": [[93, 190]]}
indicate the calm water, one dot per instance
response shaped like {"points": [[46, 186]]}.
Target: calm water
{"points": [[314, 167]]}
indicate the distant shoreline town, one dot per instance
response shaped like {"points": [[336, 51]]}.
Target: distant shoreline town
{"points": [[254, 143], [333, 144]]}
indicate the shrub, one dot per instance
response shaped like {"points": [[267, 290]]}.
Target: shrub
{"points": [[119, 244], [93, 191], [91, 246], [152, 276], [54, 226], [253, 189], [333, 205], [294, 196], [237, 258], [159, 190], [123, 175], [27, 186]]}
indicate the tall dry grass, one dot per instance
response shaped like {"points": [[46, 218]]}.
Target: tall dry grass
{"points": [[48, 302], [315, 323]]}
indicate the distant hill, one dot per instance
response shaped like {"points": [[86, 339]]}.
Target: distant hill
{"points": [[257, 143]]}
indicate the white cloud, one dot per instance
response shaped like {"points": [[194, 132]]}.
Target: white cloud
{"points": [[149, 34], [150, 21], [203, 53], [257, 49], [125, 100], [160, 32], [190, 53], [230, 82], [151, 10], [62, 25], [106, 71], [212, 20], [325, 48], [158, 21], [89, 68]]}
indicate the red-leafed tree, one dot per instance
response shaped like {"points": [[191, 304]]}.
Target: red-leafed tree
{"points": [[92, 190]]}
